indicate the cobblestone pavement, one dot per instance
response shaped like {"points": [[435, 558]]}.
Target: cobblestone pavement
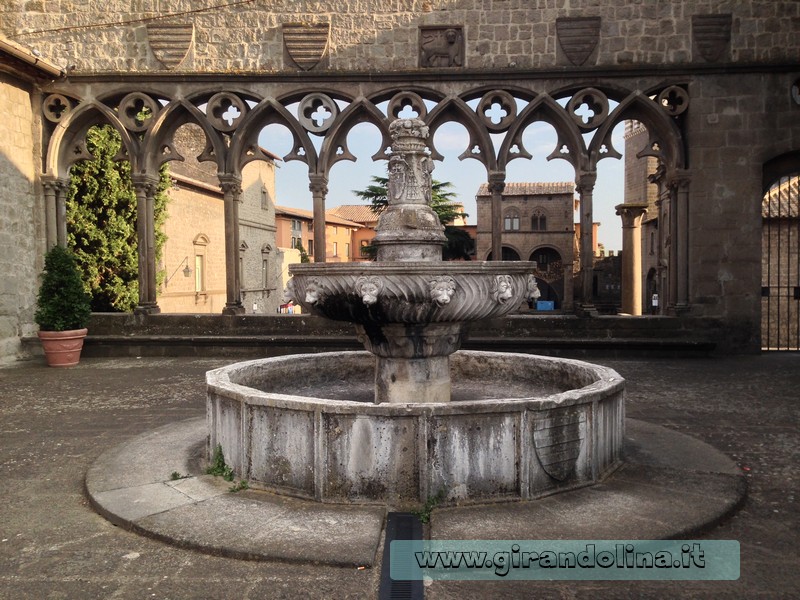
{"points": [[54, 423]]}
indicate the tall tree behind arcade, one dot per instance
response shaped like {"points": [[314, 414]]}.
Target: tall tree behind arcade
{"points": [[101, 223]]}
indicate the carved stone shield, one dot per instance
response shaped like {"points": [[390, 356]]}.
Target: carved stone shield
{"points": [[711, 35], [578, 37], [306, 44], [558, 439], [170, 42]]}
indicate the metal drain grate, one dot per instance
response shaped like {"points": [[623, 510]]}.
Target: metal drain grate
{"points": [[399, 526]]}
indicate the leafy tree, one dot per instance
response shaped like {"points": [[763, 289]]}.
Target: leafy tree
{"points": [[101, 223], [459, 244], [303, 254]]}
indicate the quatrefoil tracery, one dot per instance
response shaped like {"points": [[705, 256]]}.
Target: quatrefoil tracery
{"points": [[225, 111], [136, 111]]}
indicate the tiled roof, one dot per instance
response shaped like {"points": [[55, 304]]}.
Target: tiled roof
{"points": [[532, 189], [360, 213], [309, 215]]}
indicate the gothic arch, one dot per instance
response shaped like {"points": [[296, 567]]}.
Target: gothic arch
{"points": [[159, 144], [269, 111], [457, 110], [662, 128], [359, 111], [68, 143], [544, 108]]}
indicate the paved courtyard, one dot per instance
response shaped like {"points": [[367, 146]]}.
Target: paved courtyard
{"points": [[55, 423]]}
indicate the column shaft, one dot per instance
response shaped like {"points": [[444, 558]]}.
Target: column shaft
{"points": [[585, 186], [496, 186], [319, 190], [232, 192]]}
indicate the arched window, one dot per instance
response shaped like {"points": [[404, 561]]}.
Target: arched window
{"points": [[200, 242], [511, 221], [539, 220]]}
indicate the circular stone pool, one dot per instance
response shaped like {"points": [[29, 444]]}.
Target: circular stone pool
{"points": [[518, 426]]}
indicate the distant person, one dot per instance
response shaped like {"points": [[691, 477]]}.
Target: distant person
{"points": [[654, 304]]}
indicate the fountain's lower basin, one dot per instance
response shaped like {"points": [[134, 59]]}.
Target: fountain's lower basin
{"points": [[519, 426]]}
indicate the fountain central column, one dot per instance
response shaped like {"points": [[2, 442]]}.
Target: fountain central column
{"points": [[413, 362]]}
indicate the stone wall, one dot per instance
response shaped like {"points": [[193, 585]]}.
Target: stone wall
{"points": [[360, 35], [20, 225], [737, 124]]}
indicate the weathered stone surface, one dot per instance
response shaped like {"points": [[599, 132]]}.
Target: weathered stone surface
{"points": [[225, 38], [519, 427]]}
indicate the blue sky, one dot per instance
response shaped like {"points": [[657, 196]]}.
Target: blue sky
{"points": [[466, 176]]}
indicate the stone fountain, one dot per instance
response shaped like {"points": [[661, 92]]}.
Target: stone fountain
{"points": [[413, 416]]}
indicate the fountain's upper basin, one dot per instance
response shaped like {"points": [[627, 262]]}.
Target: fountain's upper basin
{"points": [[412, 292], [532, 426]]}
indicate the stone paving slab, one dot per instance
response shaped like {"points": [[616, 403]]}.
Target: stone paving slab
{"points": [[130, 486], [672, 486]]}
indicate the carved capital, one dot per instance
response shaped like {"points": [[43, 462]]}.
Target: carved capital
{"points": [[585, 182], [318, 185], [679, 180], [144, 185], [497, 182]]}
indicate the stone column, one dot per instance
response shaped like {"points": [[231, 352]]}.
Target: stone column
{"points": [[61, 212], [319, 190], [681, 213], [152, 286], [412, 361], [632, 256], [585, 187], [142, 186], [51, 210], [497, 183], [662, 252], [231, 194]]}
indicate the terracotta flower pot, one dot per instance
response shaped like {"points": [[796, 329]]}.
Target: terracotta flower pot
{"points": [[63, 348]]}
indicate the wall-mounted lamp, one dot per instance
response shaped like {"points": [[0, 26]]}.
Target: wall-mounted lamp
{"points": [[187, 271]]}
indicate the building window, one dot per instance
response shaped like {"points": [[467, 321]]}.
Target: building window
{"points": [[199, 273], [652, 242], [310, 226], [347, 250], [264, 198], [296, 225], [311, 247], [511, 222], [200, 242], [294, 242], [336, 248], [539, 221]]}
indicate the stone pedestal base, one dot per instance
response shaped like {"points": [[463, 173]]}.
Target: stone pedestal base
{"points": [[403, 380], [412, 360]]}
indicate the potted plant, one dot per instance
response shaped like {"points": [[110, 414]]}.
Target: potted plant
{"points": [[63, 309]]}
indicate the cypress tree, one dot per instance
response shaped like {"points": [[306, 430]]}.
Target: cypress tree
{"points": [[101, 223]]}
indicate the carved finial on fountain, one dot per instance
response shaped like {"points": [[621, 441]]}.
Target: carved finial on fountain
{"points": [[408, 229]]}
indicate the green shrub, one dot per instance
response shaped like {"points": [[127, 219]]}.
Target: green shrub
{"points": [[62, 304]]}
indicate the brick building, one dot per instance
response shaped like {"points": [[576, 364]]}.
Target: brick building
{"points": [[539, 226]]}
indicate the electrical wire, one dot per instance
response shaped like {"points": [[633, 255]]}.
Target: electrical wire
{"points": [[134, 21]]}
